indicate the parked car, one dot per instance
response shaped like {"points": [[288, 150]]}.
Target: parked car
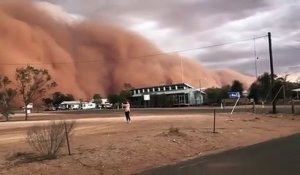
{"points": [[51, 108], [107, 105]]}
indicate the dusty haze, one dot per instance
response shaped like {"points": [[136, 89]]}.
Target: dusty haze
{"points": [[87, 58]]}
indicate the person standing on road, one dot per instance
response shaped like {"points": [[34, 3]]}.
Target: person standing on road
{"points": [[126, 108]]}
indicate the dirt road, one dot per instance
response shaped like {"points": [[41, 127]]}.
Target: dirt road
{"points": [[110, 146]]}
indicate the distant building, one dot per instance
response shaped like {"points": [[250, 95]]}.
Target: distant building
{"points": [[297, 91], [29, 107], [180, 94], [66, 105], [75, 105]]}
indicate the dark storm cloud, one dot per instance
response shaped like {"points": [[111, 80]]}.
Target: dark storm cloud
{"points": [[190, 15], [197, 23]]}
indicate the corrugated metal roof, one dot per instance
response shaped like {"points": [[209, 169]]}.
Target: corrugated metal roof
{"points": [[177, 84]]}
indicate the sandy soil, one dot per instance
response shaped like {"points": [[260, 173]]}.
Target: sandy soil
{"points": [[110, 146]]}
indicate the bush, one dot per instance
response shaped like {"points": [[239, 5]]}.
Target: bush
{"points": [[173, 130], [49, 139]]}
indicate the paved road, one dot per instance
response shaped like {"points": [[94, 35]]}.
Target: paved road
{"points": [[276, 157]]}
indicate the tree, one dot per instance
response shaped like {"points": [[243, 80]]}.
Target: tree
{"points": [[215, 95], [237, 86], [6, 96], [114, 98], [33, 84], [59, 97], [48, 101], [260, 90], [125, 94], [264, 82], [97, 99], [254, 92]]}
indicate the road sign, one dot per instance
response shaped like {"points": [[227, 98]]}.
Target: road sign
{"points": [[234, 95]]}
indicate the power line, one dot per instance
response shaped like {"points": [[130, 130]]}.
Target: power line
{"points": [[52, 63], [143, 56], [200, 48]]}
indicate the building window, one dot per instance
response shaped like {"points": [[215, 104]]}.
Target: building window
{"points": [[164, 88], [143, 90], [181, 99], [139, 91], [148, 90]]}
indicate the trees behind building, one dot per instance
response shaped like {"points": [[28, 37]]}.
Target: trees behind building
{"points": [[97, 100], [123, 96], [237, 86], [57, 98]]}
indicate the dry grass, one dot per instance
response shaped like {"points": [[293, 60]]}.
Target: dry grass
{"points": [[173, 130], [48, 139]]}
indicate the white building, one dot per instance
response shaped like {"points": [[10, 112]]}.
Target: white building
{"points": [[88, 105], [65, 105], [76, 105]]}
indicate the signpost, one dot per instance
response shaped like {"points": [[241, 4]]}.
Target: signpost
{"points": [[234, 95]]}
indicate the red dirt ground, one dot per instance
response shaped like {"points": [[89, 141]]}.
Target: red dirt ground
{"points": [[110, 146]]}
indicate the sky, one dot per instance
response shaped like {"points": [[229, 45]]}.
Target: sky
{"points": [[191, 27]]}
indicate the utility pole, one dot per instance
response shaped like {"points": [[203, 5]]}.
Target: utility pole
{"points": [[200, 84], [181, 69], [272, 73], [255, 57]]}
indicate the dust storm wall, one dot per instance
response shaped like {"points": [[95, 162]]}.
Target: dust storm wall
{"points": [[87, 57]]}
